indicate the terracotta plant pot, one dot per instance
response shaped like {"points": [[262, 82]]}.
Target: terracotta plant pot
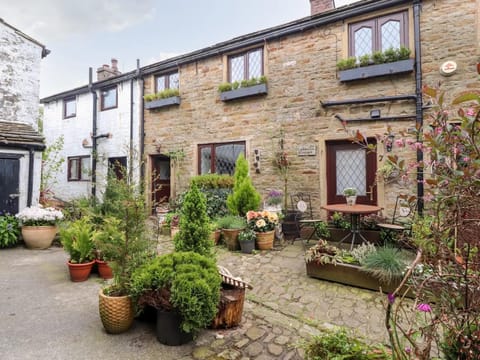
{"points": [[38, 237], [230, 236], [80, 272], [104, 270], [116, 312], [265, 240], [215, 236]]}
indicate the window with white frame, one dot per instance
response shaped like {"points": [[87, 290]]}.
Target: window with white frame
{"points": [[219, 158], [69, 107], [246, 65], [378, 34], [167, 81], [79, 168]]}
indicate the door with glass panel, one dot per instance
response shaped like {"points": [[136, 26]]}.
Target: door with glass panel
{"points": [[351, 165]]}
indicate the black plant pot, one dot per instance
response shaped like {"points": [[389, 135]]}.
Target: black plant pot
{"points": [[169, 331], [247, 246]]}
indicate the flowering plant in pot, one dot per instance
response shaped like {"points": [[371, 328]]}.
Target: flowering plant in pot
{"points": [[263, 224], [274, 200], [39, 225], [247, 238]]}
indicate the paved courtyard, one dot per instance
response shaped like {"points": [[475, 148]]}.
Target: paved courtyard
{"points": [[45, 315]]}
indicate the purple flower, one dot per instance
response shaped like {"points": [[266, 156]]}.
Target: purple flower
{"points": [[408, 350], [470, 112], [391, 298], [424, 307]]}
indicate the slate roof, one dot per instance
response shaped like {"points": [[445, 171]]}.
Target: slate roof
{"points": [[16, 134]]}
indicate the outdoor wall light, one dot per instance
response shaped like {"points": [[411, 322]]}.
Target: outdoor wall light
{"points": [[375, 113], [256, 162]]}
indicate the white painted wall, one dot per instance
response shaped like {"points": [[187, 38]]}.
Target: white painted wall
{"points": [[76, 129]]}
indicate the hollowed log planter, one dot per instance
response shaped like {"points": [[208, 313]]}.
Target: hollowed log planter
{"points": [[230, 308]]}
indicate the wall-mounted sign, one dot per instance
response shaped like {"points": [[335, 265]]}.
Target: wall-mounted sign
{"points": [[307, 150], [448, 68]]}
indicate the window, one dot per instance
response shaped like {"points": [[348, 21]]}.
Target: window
{"points": [[219, 158], [79, 168], [109, 98], [69, 107], [246, 65], [378, 34], [167, 81]]}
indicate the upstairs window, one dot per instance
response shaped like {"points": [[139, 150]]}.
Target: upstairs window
{"points": [[245, 66], [378, 34], [109, 98], [79, 168], [69, 107], [167, 81], [219, 158]]}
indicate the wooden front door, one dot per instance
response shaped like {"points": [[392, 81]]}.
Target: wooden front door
{"points": [[160, 180], [351, 165], [9, 183]]}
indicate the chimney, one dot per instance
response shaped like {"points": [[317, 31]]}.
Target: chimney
{"points": [[105, 71], [320, 6]]}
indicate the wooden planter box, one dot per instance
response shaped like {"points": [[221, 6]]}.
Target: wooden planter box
{"points": [[239, 93], [365, 72], [156, 104], [349, 274]]}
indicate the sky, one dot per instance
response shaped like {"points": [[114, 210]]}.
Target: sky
{"points": [[89, 33]]}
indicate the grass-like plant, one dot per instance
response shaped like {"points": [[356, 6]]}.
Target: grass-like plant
{"points": [[386, 264]]}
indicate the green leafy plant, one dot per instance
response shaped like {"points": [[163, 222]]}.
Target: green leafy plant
{"points": [[365, 60], [194, 234], [339, 221], [185, 282], [349, 191], [323, 253], [390, 55], [244, 196], [242, 84], [386, 264], [9, 231], [403, 53], [247, 235], [340, 345], [346, 64], [225, 87], [378, 57], [321, 230], [52, 162], [77, 240], [164, 94], [231, 222]]}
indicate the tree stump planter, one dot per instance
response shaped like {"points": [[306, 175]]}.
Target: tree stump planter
{"points": [[230, 308]]}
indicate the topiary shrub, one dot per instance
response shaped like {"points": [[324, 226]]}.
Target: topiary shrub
{"points": [[186, 282], [194, 234], [244, 196]]}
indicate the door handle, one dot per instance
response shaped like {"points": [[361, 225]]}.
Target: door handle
{"points": [[13, 196], [371, 192]]}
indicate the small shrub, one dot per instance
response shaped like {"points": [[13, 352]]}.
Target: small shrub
{"points": [[224, 87], [403, 53], [9, 231], [365, 60], [339, 221], [231, 222], [390, 55], [321, 230], [378, 57], [386, 264], [77, 240], [346, 64]]}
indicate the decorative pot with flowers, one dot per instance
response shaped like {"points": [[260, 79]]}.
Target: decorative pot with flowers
{"points": [[273, 201], [350, 195], [39, 226], [247, 238], [263, 223]]}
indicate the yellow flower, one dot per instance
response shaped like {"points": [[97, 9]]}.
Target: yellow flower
{"points": [[260, 223]]}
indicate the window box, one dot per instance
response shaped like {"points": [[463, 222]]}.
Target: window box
{"points": [[398, 67], [155, 104], [259, 89]]}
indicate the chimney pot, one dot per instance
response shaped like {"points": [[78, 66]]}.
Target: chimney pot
{"points": [[114, 64]]}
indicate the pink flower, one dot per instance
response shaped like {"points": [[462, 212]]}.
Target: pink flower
{"points": [[391, 298], [409, 141], [470, 112], [466, 159], [418, 145], [424, 307], [400, 143]]}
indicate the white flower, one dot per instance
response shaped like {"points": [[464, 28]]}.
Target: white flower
{"points": [[37, 215]]}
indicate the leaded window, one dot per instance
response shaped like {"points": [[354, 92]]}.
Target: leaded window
{"points": [[219, 158]]}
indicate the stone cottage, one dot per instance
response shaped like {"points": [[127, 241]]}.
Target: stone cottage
{"points": [[21, 144], [302, 109]]}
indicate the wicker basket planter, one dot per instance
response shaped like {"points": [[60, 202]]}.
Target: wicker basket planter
{"points": [[265, 240], [116, 312]]}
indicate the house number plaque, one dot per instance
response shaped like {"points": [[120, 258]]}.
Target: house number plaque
{"points": [[307, 150]]}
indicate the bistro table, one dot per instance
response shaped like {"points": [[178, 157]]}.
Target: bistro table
{"points": [[355, 211]]}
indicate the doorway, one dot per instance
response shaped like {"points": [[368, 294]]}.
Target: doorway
{"points": [[351, 165], [9, 183], [160, 180]]}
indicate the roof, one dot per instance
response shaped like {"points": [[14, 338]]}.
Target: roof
{"points": [[45, 51], [16, 134], [258, 37]]}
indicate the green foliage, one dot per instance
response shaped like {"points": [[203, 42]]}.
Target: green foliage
{"points": [[172, 219], [164, 94], [244, 196], [9, 231], [247, 235], [123, 239], [403, 53], [362, 251], [244, 83], [321, 230], [185, 281], [390, 55], [386, 264], [324, 253], [365, 60], [52, 161], [378, 57], [231, 222], [224, 87], [339, 345], [77, 240], [339, 221], [194, 234], [213, 181], [346, 64]]}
